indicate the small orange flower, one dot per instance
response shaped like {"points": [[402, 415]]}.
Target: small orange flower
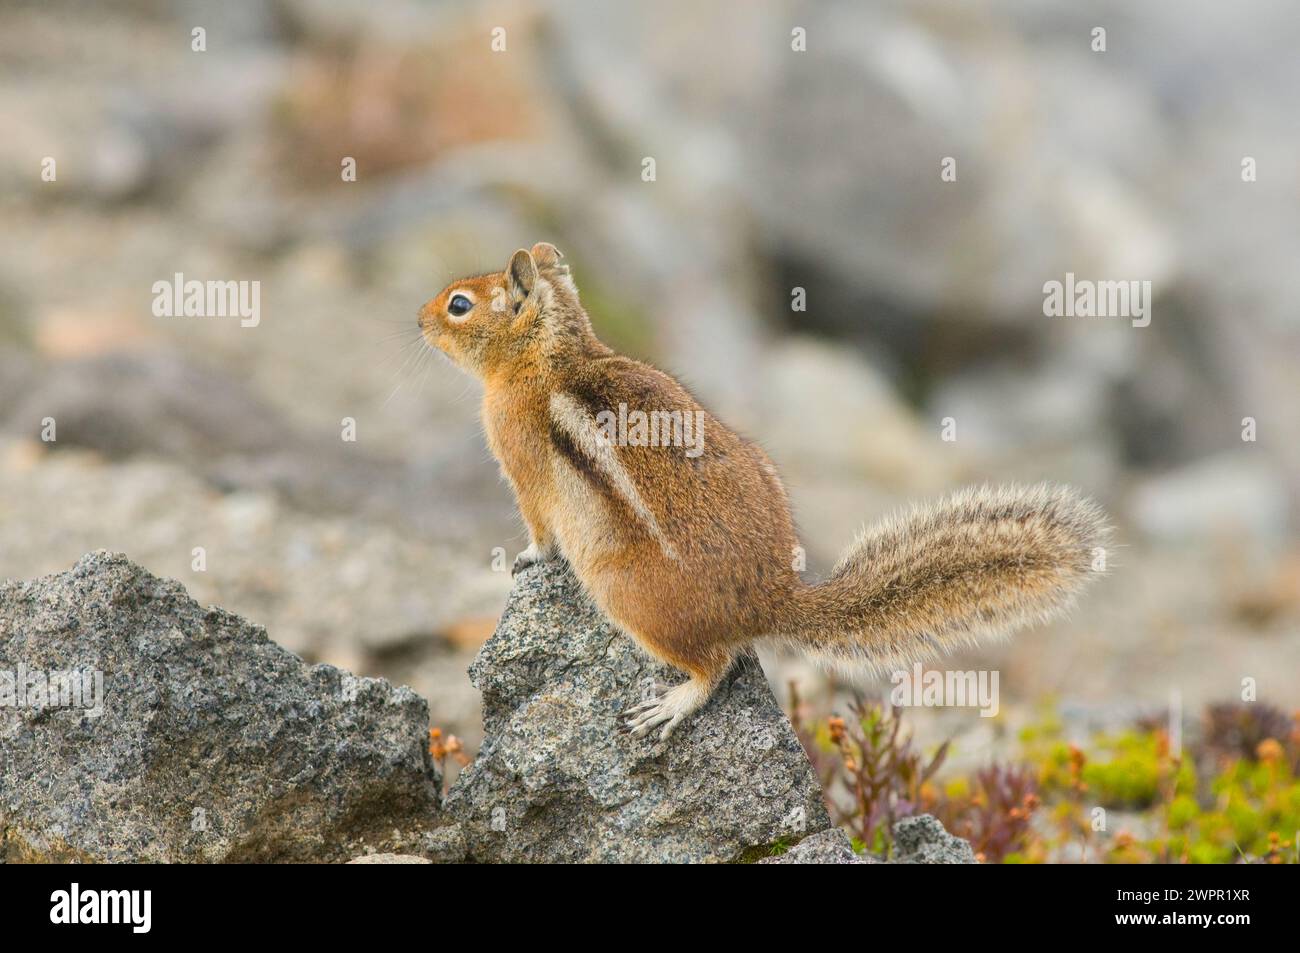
{"points": [[837, 728], [1269, 751], [436, 746]]}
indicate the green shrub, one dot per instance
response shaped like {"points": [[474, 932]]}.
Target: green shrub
{"points": [[1232, 797]]}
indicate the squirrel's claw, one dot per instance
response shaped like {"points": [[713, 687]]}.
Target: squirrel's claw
{"points": [[529, 557], [668, 709], [660, 689]]}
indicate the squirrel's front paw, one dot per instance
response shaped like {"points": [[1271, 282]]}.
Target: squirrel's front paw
{"points": [[529, 557]]}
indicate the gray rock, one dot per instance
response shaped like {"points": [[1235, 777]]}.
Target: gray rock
{"points": [[825, 847], [923, 840], [556, 781], [213, 743], [389, 859], [444, 845], [917, 840]]}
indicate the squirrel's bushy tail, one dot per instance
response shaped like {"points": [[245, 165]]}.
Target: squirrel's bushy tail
{"points": [[974, 565]]}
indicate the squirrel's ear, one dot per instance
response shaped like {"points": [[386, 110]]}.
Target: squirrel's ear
{"points": [[521, 275], [547, 256]]}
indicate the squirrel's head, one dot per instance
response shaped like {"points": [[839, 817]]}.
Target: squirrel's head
{"points": [[529, 311]]}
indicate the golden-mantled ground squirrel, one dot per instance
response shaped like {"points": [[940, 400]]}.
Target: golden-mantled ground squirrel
{"points": [[681, 530]]}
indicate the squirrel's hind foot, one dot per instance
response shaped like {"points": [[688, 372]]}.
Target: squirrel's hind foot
{"points": [[530, 557], [668, 709]]}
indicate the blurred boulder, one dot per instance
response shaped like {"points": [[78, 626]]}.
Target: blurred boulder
{"points": [[1232, 496], [877, 219], [166, 405], [332, 588], [826, 410], [1048, 420]]}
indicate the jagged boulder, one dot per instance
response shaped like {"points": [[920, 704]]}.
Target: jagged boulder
{"points": [[556, 780], [208, 742], [917, 840], [923, 840], [825, 847]]}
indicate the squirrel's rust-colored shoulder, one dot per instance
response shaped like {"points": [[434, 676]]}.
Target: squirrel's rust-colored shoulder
{"points": [[605, 382]]}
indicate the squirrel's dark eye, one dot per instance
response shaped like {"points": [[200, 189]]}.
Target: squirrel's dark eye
{"points": [[459, 305]]}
